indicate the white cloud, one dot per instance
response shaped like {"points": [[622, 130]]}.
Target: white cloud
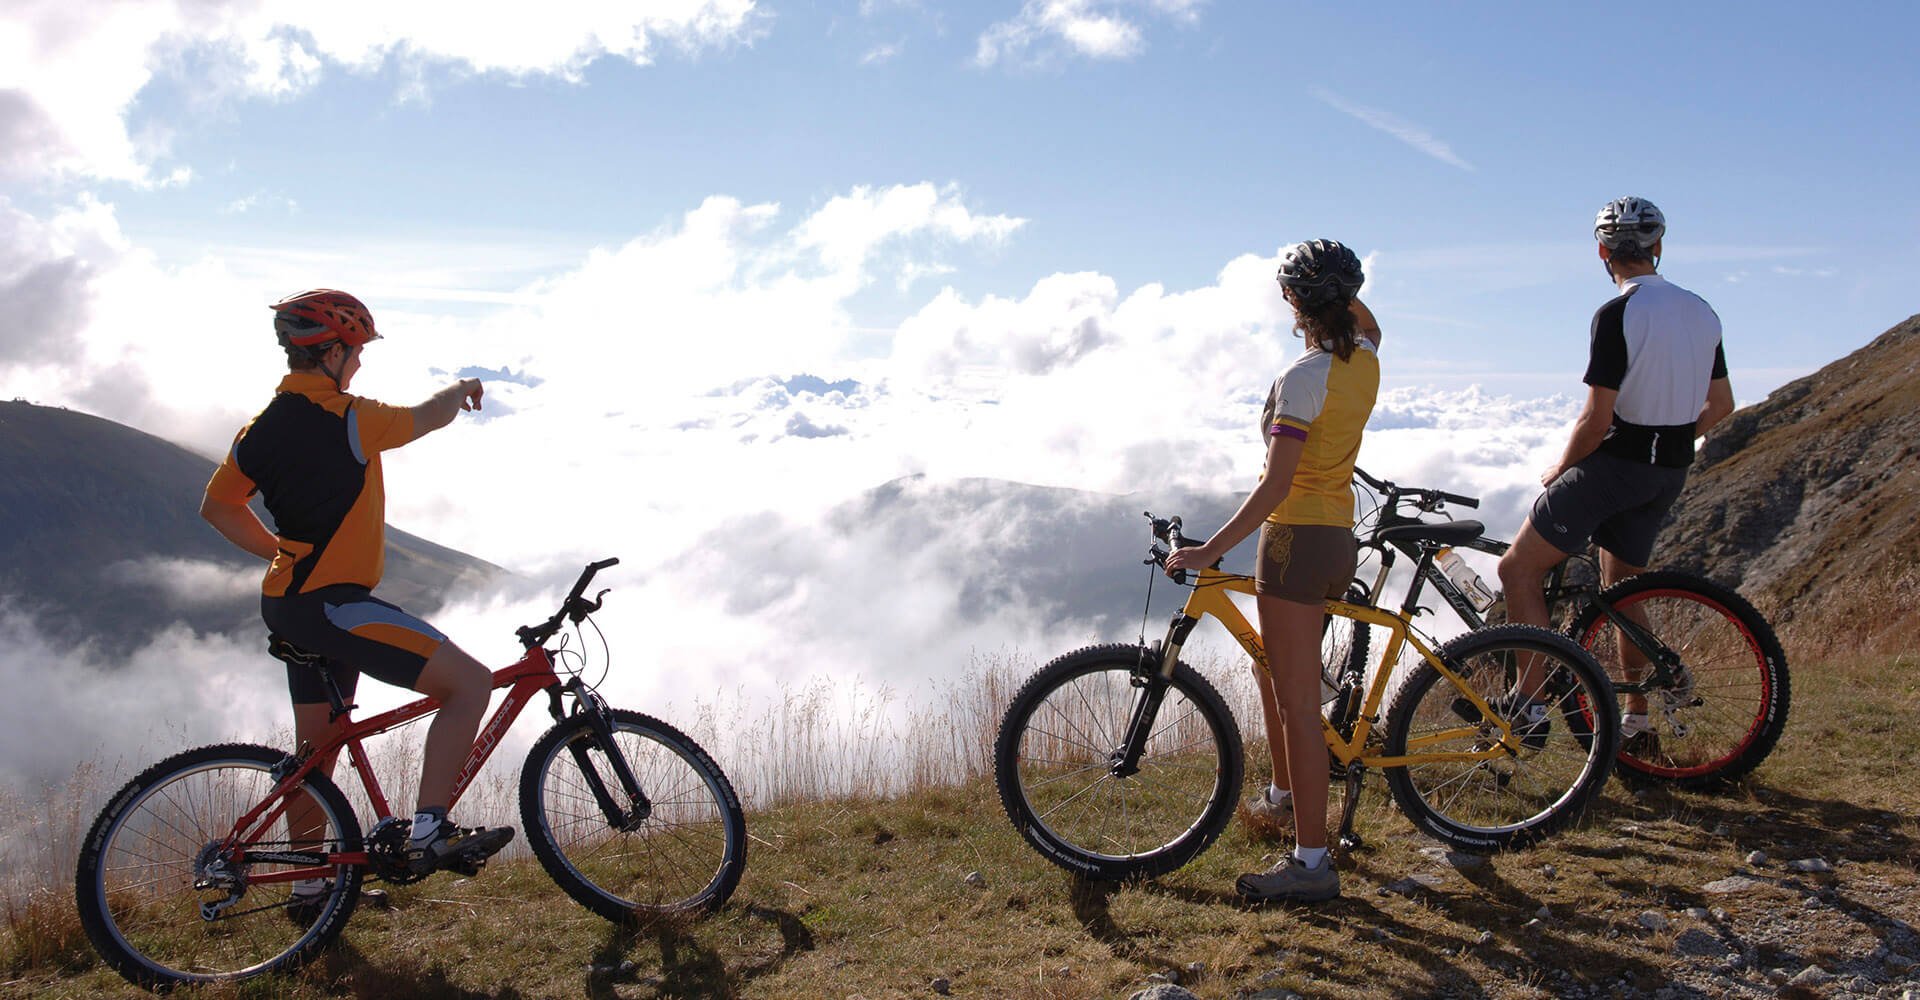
{"points": [[1092, 29], [70, 72], [1392, 124]]}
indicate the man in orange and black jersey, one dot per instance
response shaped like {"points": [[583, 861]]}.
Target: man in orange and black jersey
{"points": [[314, 457]]}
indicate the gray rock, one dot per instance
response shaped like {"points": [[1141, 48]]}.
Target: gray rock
{"points": [[1810, 865], [977, 880], [942, 987], [1549, 871], [1812, 975], [1756, 858], [1485, 937], [1196, 969], [1697, 912], [1414, 883], [1544, 912], [1731, 884], [1460, 860], [1164, 976], [1653, 920], [1694, 941], [1274, 994], [1164, 991]]}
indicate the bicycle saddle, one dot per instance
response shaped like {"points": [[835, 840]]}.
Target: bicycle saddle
{"points": [[286, 652], [1444, 532]]}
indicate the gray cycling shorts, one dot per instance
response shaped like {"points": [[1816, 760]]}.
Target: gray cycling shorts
{"points": [[1617, 503]]}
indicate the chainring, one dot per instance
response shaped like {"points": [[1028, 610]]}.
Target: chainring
{"points": [[387, 852]]}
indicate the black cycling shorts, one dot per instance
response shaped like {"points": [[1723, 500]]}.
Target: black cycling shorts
{"points": [[355, 631], [1617, 503]]}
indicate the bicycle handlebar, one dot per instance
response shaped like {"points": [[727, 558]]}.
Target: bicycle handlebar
{"points": [[575, 607], [1167, 529], [1424, 499]]}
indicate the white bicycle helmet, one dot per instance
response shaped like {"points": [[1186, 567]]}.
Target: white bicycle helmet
{"points": [[1629, 222]]}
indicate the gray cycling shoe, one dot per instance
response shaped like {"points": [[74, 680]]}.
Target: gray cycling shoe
{"points": [[460, 849], [1290, 882]]}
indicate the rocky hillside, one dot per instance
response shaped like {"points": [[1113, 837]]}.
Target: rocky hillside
{"points": [[101, 538], [1809, 501]]}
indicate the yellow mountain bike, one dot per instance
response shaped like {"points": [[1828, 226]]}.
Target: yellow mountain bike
{"points": [[1121, 761]]}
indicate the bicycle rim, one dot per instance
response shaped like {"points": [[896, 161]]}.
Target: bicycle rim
{"points": [[1727, 720], [687, 855], [1519, 794], [1055, 767], [137, 892]]}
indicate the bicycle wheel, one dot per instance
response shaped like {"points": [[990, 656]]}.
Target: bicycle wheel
{"points": [[685, 856], [1343, 664], [1551, 770], [1727, 708], [161, 903], [1055, 762]]}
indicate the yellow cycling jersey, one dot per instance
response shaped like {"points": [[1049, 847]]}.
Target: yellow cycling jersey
{"points": [[314, 456], [1324, 402]]}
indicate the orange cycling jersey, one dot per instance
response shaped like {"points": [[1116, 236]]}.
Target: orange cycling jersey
{"points": [[314, 456]]}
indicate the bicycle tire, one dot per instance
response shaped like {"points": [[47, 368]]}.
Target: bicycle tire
{"points": [[134, 884], [1485, 806], [1343, 666], [687, 856], [1056, 739], [1739, 674]]}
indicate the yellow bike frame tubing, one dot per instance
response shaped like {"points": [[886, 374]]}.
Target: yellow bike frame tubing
{"points": [[1209, 597]]}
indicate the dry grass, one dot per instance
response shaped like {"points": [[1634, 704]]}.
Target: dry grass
{"points": [[867, 895]]}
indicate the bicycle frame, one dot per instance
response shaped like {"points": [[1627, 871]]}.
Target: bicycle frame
{"points": [[533, 672], [1209, 597]]}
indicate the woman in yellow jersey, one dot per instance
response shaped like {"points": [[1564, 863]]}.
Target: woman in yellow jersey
{"points": [[1311, 430]]}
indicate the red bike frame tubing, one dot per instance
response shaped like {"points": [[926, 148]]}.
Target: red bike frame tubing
{"points": [[532, 673]]}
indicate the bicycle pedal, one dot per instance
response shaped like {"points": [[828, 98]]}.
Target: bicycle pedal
{"points": [[464, 866]]}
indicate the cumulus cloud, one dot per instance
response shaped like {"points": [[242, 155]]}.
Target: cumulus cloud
{"points": [[1091, 29], [69, 73]]}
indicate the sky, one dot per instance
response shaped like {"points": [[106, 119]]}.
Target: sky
{"points": [[727, 265]]}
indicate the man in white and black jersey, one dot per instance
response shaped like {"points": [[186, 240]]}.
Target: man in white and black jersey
{"points": [[1656, 380]]}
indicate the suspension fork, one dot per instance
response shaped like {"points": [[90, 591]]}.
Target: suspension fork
{"points": [[1152, 676], [600, 720]]}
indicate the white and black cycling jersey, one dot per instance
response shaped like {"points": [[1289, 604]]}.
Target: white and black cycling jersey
{"points": [[1658, 345]]}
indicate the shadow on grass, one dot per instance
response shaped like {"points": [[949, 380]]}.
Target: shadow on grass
{"points": [[688, 967], [346, 964]]}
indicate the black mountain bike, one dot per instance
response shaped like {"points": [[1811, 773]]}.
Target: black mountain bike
{"points": [[1709, 665]]}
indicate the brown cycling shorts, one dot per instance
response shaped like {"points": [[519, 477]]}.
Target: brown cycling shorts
{"points": [[1305, 563]]}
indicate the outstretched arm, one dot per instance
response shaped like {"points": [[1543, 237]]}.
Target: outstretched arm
{"points": [[440, 408], [1364, 322]]}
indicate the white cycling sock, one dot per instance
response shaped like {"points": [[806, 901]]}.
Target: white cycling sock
{"points": [[426, 823], [1311, 857], [1275, 795], [1633, 723]]}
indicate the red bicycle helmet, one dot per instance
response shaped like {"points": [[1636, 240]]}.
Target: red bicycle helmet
{"points": [[315, 317]]}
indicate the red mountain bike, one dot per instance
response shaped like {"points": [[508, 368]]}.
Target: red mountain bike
{"points": [[181, 879]]}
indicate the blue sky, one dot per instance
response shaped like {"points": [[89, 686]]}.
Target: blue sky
{"points": [[1466, 150]]}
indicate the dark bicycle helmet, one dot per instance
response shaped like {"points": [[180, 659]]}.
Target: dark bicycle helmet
{"points": [[1629, 222], [313, 319], [1320, 272]]}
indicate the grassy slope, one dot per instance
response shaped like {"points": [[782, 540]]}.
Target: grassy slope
{"points": [[870, 899]]}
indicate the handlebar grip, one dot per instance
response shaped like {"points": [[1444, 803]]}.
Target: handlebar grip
{"points": [[604, 563], [1455, 498]]}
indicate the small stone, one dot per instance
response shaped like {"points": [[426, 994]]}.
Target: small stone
{"points": [[977, 880], [1196, 969], [1549, 871], [1458, 859], [376, 898], [1165, 976], [629, 967], [1064, 971], [1719, 830], [1735, 960], [1810, 865], [1653, 920], [1812, 975], [1697, 912], [1534, 924], [1718, 913], [1731, 884], [1756, 858], [1544, 912], [1485, 937], [1163, 991], [1694, 941], [942, 987]]}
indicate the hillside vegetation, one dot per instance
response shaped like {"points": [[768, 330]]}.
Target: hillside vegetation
{"points": [[1658, 894]]}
